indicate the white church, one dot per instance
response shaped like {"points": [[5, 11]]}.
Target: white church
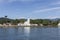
{"points": [[58, 24], [26, 23]]}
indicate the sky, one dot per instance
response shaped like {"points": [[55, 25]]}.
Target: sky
{"points": [[30, 9]]}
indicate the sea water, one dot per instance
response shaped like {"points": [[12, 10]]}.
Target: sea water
{"points": [[29, 33]]}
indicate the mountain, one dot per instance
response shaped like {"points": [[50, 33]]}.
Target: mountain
{"points": [[2, 18], [56, 19]]}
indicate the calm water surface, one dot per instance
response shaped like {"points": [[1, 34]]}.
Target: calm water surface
{"points": [[29, 33]]}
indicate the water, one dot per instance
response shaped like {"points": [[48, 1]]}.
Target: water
{"points": [[29, 33]]}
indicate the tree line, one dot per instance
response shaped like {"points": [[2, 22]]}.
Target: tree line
{"points": [[45, 22]]}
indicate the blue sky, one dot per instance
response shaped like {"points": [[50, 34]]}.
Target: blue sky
{"points": [[30, 8]]}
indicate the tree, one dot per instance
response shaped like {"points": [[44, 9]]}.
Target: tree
{"points": [[6, 16]]}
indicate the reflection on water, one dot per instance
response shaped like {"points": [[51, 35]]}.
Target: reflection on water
{"points": [[29, 33]]}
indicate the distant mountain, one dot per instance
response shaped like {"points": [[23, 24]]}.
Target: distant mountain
{"points": [[2, 18], [56, 19]]}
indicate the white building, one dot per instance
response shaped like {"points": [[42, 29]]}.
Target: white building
{"points": [[34, 24], [1, 25], [58, 24], [41, 24], [26, 23]]}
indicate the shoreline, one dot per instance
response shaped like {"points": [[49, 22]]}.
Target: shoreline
{"points": [[6, 26]]}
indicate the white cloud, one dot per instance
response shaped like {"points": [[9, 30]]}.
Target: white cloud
{"points": [[46, 10]]}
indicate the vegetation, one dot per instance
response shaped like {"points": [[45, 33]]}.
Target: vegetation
{"points": [[45, 22]]}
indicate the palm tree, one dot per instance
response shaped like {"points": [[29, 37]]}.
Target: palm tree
{"points": [[5, 19], [6, 16]]}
